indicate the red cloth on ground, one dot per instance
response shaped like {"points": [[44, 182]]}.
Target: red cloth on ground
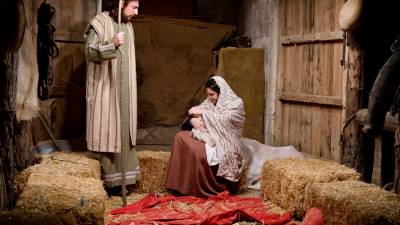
{"points": [[313, 216], [220, 209]]}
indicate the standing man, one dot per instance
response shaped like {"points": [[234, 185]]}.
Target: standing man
{"points": [[111, 93]]}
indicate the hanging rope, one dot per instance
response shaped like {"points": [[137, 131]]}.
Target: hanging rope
{"points": [[47, 49]]}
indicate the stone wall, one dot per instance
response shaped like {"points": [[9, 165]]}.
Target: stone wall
{"points": [[258, 19]]}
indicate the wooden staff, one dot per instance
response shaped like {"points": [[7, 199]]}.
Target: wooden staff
{"points": [[122, 144]]}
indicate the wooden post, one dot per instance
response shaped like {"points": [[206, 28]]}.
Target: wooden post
{"points": [[123, 161], [397, 160], [16, 141], [377, 168], [8, 121], [353, 69]]}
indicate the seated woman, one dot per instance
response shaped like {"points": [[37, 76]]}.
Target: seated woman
{"points": [[208, 160]]}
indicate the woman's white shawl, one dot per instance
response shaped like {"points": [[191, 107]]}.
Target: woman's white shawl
{"points": [[224, 125]]}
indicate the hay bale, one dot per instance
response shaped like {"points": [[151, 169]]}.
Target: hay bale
{"points": [[69, 199], [153, 171], [21, 179], [154, 167], [286, 181], [354, 203], [60, 164], [243, 181], [68, 163], [16, 217]]}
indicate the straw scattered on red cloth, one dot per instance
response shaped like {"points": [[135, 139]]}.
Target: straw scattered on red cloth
{"points": [[221, 209]]}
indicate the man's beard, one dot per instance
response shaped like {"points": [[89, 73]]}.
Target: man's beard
{"points": [[126, 19]]}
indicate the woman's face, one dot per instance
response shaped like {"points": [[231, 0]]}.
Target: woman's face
{"points": [[212, 96]]}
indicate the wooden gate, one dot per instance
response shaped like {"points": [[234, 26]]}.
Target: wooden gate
{"points": [[310, 98]]}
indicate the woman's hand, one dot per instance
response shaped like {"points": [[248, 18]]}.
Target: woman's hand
{"points": [[197, 123], [195, 111]]}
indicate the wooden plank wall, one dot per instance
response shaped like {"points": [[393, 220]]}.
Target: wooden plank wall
{"points": [[310, 77], [66, 102]]}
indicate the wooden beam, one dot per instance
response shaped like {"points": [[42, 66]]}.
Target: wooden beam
{"points": [[390, 125], [65, 36], [311, 99], [312, 38]]}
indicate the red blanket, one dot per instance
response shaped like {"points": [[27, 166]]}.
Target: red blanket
{"points": [[220, 209]]}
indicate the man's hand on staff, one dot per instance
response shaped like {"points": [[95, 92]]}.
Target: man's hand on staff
{"points": [[118, 39]]}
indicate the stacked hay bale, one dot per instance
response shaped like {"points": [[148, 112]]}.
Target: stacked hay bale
{"points": [[61, 164], [75, 200], [32, 218], [154, 167], [65, 187], [153, 171], [354, 203], [70, 164], [286, 181]]}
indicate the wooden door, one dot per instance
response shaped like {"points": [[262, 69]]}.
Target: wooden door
{"points": [[67, 92], [310, 80]]}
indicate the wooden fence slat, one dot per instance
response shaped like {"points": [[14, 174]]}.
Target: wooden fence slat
{"points": [[311, 99], [334, 36]]}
